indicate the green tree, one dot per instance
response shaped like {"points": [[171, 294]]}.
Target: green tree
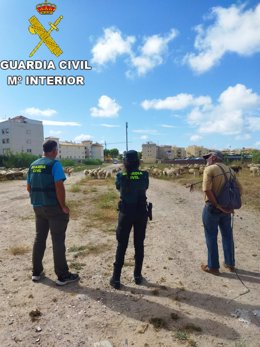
{"points": [[114, 152], [106, 152], [256, 157]]}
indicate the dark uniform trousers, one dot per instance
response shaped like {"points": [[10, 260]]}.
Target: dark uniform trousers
{"points": [[128, 218], [54, 219]]}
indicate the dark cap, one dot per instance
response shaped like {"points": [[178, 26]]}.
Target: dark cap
{"points": [[217, 154], [131, 156]]}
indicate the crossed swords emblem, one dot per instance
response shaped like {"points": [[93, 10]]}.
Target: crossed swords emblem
{"points": [[44, 35]]}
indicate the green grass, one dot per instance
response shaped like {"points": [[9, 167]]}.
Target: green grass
{"points": [[181, 335], [75, 248], [107, 200]]}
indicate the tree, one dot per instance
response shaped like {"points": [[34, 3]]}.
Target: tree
{"points": [[114, 152], [256, 157]]}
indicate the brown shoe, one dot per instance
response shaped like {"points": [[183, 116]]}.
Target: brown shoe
{"points": [[229, 267], [209, 270]]}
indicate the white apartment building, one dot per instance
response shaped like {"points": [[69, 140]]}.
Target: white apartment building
{"points": [[21, 135], [97, 151], [149, 152], [78, 151]]}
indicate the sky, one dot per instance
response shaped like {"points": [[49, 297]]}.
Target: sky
{"points": [[179, 72]]}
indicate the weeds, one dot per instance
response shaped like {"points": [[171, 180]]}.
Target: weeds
{"points": [[158, 323], [19, 250], [181, 335], [192, 327], [174, 316], [75, 188], [82, 251], [76, 248], [74, 206], [76, 265]]}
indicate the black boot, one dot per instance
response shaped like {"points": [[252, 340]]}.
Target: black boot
{"points": [[115, 279], [138, 279], [138, 273], [115, 283]]}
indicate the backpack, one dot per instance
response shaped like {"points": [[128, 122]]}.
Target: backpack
{"points": [[229, 197]]}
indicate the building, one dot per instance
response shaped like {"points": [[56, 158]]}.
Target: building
{"points": [[97, 151], [78, 151], [164, 152], [21, 135], [178, 152], [196, 151], [149, 152]]}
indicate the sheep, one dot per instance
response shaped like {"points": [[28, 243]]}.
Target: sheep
{"points": [[255, 171], [236, 168]]}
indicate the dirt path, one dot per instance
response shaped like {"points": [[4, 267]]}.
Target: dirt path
{"points": [[191, 308]]}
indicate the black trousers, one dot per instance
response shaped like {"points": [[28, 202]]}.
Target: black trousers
{"points": [[54, 219], [127, 220]]}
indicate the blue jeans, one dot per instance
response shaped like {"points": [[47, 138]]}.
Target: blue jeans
{"points": [[212, 219]]}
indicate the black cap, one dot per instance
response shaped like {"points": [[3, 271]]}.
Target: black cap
{"points": [[131, 156]]}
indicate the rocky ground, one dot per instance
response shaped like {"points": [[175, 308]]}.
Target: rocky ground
{"points": [[178, 305]]}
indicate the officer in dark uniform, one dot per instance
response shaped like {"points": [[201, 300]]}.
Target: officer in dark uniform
{"points": [[132, 184]]}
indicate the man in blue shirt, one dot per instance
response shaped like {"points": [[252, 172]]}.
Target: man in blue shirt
{"points": [[45, 185]]}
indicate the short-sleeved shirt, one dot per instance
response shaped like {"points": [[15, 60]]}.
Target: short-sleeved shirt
{"points": [[57, 173], [214, 179]]}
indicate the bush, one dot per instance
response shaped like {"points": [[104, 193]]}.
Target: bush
{"points": [[256, 157], [2, 159], [92, 162], [18, 160], [68, 162]]}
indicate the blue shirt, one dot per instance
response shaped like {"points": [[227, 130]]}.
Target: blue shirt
{"points": [[57, 173]]}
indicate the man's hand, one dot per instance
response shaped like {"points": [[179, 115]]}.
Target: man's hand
{"points": [[227, 211], [66, 210]]}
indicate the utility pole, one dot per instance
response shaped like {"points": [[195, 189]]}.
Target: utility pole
{"points": [[126, 135]]}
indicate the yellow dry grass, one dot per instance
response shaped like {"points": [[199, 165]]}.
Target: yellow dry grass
{"points": [[19, 250], [250, 184]]}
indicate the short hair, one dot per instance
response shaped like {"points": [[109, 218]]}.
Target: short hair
{"points": [[49, 146]]}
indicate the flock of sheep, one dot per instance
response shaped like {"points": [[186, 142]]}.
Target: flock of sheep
{"points": [[196, 170], [13, 174], [154, 171]]}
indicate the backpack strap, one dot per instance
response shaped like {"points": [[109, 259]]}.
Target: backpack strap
{"points": [[224, 173]]}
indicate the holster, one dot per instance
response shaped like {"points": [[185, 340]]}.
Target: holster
{"points": [[149, 208]]}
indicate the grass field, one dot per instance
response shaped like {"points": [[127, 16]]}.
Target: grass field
{"points": [[250, 184]]}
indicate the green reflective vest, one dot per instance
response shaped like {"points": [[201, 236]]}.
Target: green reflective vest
{"points": [[132, 187], [42, 183]]}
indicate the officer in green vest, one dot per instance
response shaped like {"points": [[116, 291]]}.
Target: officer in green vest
{"points": [[132, 184], [45, 185]]}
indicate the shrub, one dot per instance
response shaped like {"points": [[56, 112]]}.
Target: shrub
{"points": [[92, 162], [68, 162], [18, 160], [256, 157]]}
